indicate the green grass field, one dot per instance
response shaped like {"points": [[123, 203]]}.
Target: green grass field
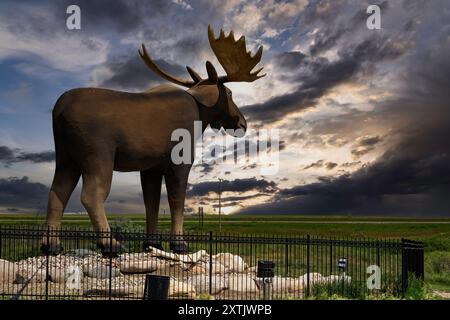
{"points": [[434, 232]]}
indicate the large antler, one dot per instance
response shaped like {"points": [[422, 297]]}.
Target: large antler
{"points": [[234, 58], [148, 60]]}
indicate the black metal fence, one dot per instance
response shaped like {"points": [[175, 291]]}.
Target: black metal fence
{"points": [[221, 266]]}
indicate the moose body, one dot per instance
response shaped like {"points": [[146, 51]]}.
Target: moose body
{"points": [[131, 129], [98, 131]]}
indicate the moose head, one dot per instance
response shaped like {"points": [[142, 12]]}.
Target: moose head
{"points": [[211, 93]]}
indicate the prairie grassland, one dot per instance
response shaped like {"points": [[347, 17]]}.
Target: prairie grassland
{"points": [[434, 232]]}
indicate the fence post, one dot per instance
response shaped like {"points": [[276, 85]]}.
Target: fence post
{"points": [[210, 261], [0, 241], [47, 256], [110, 264], [378, 254], [308, 240], [421, 262], [404, 267], [331, 256], [286, 253]]}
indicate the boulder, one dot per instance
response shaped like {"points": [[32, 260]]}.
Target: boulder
{"points": [[233, 263], [216, 267], [314, 278], [201, 283], [101, 272], [24, 275], [61, 275], [7, 271], [286, 285], [198, 269], [82, 253], [333, 278], [252, 270], [180, 289], [145, 266], [58, 275], [201, 255], [163, 254], [242, 284]]}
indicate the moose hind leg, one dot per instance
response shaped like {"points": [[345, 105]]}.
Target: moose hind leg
{"points": [[176, 182], [96, 186], [151, 180], [65, 180]]}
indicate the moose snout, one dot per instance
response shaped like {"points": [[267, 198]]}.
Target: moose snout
{"points": [[241, 128], [242, 125]]}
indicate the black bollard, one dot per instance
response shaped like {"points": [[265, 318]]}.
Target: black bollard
{"points": [[156, 287], [266, 271]]}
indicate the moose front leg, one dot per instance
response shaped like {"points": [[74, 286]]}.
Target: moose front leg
{"points": [[151, 180], [176, 182], [97, 179]]}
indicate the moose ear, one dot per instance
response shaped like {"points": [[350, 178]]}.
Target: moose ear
{"points": [[212, 73], [205, 94]]}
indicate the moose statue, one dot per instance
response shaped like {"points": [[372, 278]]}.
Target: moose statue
{"points": [[97, 131]]}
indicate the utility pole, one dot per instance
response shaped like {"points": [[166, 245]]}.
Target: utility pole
{"points": [[220, 205]]}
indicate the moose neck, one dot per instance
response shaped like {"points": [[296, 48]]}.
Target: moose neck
{"points": [[207, 116]]}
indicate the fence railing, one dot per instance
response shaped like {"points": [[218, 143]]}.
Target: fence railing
{"points": [[223, 266]]}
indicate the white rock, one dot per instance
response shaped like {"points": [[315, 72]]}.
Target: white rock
{"points": [[242, 283], [30, 274], [286, 285], [314, 278], [216, 267], [201, 283], [201, 255], [144, 266], [7, 271], [336, 278], [234, 263], [181, 289], [198, 269], [163, 254], [101, 271]]}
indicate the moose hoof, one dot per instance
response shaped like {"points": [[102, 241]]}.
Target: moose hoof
{"points": [[153, 244], [51, 249], [179, 247], [110, 251]]}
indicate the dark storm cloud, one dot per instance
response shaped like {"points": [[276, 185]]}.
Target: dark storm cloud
{"points": [[22, 193], [37, 157], [9, 156], [413, 176], [131, 73], [316, 76], [120, 16], [237, 185], [331, 33], [317, 164], [368, 141], [365, 145], [321, 164], [6, 154], [350, 164], [394, 185], [330, 165]]}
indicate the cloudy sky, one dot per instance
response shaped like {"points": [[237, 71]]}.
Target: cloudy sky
{"points": [[363, 115]]}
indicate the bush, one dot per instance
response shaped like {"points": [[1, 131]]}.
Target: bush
{"points": [[417, 290], [437, 267], [338, 290]]}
